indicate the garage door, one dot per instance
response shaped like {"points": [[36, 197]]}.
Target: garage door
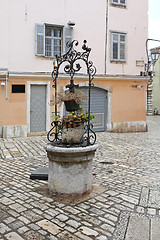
{"points": [[98, 107]]}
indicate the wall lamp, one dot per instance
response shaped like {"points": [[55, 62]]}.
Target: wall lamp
{"points": [[71, 23]]}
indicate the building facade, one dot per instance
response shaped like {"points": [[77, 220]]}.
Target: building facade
{"points": [[35, 31], [156, 89]]}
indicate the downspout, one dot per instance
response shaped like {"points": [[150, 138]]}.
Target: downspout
{"points": [[106, 28], [6, 86]]}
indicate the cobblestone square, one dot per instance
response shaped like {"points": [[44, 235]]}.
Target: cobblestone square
{"points": [[126, 170]]}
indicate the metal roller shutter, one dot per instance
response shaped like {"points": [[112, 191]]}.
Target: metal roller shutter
{"points": [[98, 107]]}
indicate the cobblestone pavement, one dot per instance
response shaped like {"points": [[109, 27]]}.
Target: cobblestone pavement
{"points": [[126, 205]]}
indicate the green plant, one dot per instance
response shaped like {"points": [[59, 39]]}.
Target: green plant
{"points": [[74, 119]]}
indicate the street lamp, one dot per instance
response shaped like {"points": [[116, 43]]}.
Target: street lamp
{"points": [[153, 56]]}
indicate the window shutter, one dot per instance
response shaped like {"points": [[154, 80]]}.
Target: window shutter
{"points": [[123, 2], [40, 40], [122, 47], [118, 47], [114, 46], [68, 37], [119, 2]]}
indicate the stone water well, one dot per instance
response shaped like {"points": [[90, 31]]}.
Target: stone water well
{"points": [[70, 168]]}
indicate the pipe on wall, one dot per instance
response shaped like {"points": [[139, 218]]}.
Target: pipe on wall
{"points": [[105, 60]]}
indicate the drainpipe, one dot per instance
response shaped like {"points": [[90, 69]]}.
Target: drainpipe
{"points": [[6, 85], [106, 26]]}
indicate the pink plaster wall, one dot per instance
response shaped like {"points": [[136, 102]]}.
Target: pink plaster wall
{"points": [[18, 18]]}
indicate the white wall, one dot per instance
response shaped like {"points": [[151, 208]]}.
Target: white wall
{"points": [[132, 20], [17, 24]]}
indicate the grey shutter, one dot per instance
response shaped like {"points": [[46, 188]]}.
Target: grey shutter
{"points": [[40, 40], [122, 47], [114, 46], [123, 2], [68, 37]]}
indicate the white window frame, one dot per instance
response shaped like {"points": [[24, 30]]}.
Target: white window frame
{"points": [[66, 35], [119, 42], [119, 3], [53, 38]]}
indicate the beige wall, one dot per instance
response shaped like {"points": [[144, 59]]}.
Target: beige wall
{"points": [[128, 102], [12, 109]]}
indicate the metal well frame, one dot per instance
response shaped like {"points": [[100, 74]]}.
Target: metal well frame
{"points": [[71, 61]]}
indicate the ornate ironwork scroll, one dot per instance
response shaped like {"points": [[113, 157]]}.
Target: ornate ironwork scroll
{"points": [[71, 60]]}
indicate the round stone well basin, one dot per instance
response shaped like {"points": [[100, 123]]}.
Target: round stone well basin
{"points": [[70, 169]]}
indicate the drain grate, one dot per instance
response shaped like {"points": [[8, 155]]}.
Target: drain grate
{"points": [[106, 162]]}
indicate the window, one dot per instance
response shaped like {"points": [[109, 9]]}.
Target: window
{"points": [[119, 2], [18, 88], [118, 47], [51, 40]]}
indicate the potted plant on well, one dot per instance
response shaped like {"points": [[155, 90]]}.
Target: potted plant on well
{"points": [[71, 98], [72, 125]]}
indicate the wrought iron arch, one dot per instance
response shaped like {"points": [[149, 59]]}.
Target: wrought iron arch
{"points": [[71, 60]]}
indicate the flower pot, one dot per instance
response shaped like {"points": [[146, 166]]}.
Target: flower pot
{"points": [[71, 105], [72, 135]]}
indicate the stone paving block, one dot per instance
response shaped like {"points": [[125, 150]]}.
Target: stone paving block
{"points": [[128, 199], [151, 211], [62, 217], [32, 216], [73, 223], [82, 236], [4, 228], [16, 224], [43, 232], [6, 201], [155, 229], [17, 207], [33, 235], [154, 198], [70, 229], [51, 237], [106, 220], [88, 231], [108, 227], [65, 235], [102, 238], [58, 222], [13, 236], [49, 226], [138, 228], [23, 229]]}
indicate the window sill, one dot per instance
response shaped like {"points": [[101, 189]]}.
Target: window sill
{"points": [[118, 61], [118, 5], [46, 57]]}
